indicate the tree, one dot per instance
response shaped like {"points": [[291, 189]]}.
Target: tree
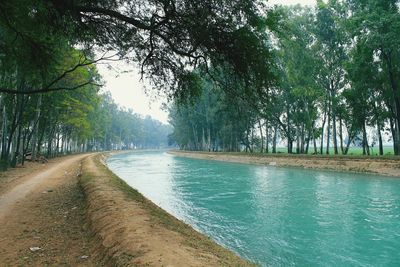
{"points": [[331, 48], [375, 26], [167, 38], [301, 92], [215, 120]]}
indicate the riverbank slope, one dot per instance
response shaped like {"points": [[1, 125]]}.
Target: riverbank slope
{"points": [[374, 165], [73, 211], [130, 230]]}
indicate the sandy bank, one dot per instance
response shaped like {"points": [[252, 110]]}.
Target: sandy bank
{"points": [[381, 166], [130, 230]]}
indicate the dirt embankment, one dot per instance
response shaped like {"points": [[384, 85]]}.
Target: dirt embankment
{"points": [[42, 216], [130, 230], [73, 211], [381, 166]]}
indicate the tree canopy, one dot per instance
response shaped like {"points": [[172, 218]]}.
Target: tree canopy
{"points": [[337, 73], [241, 76], [167, 38]]}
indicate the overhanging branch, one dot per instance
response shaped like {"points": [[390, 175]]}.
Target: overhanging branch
{"points": [[49, 87], [114, 14], [45, 90]]}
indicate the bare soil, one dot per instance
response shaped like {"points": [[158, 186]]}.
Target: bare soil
{"points": [[14, 176], [131, 231], [42, 207], [78, 213], [73, 211], [373, 165]]}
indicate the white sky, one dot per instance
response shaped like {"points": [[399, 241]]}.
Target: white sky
{"points": [[128, 91]]}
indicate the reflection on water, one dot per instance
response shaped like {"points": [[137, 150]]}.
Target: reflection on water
{"points": [[275, 216]]}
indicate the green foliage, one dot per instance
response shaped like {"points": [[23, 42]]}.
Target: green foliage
{"points": [[334, 82], [189, 87], [215, 119], [240, 76], [72, 121], [167, 39]]}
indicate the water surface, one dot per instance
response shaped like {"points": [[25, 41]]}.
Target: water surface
{"points": [[275, 216]]}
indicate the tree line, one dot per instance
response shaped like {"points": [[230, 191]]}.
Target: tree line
{"points": [[335, 74], [49, 100], [70, 121], [49, 86]]}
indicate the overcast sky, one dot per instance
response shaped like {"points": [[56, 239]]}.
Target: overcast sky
{"points": [[128, 91]]}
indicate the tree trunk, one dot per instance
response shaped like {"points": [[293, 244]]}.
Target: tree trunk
{"points": [[397, 139], [302, 139], [195, 138], [262, 137], [1, 127], [11, 135], [24, 142], [323, 130], [365, 141], [315, 145], [378, 129], [341, 135], [252, 140], [266, 136], [308, 141], [203, 139], [3, 159], [40, 140], [334, 132], [19, 111], [298, 136], [328, 129], [209, 139], [289, 136], [274, 140], [36, 129], [393, 130], [50, 143], [396, 102], [57, 150], [346, 150], [17, 150]]}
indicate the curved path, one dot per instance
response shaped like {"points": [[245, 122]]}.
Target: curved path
{"points": [[33, 182], [45, 217], [43, 211]]}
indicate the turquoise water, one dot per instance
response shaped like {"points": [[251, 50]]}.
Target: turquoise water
{"points": [[275, 216]]}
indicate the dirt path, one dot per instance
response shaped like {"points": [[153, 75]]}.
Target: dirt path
{"points": [[51, 217], [44, 210]]}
